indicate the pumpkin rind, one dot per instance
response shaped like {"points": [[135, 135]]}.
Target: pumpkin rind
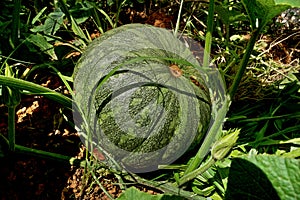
{"points": [[138, 111]]}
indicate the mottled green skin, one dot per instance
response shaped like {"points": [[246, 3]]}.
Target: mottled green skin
{"points": [[142, 114]]}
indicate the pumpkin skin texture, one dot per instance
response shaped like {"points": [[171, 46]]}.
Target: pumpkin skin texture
{"points": [[143, 96]]}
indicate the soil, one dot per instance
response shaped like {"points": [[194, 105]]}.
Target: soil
{"points": [[39, 126]]}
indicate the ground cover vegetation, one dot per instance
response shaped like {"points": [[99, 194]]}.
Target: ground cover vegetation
{"points": [[253, 152]]}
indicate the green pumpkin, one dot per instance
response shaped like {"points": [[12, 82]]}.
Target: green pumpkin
{"points": [[142, 93]]}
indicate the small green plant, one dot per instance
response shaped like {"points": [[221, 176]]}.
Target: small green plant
{"points": [[260, 12], [12, 81]]}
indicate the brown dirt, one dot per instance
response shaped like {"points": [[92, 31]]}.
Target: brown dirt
{"points": [[40, 125]]}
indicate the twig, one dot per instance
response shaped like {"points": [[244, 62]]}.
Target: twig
{"points": [[276, 43], [20, 61]]}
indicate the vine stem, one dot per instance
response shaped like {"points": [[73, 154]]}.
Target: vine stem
{"points": [[210, 138], [16, 22], [178, 18], [35, 88], [11, 127], [164, 187], [208, 36], [243, 65], [195, 173], [49, 155]]}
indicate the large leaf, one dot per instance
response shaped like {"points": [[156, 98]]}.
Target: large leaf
{"points": [[293, 3], [134, 194], [261, 12], [264, 177]]}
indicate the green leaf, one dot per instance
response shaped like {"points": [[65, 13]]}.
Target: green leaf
{"points": [[293, 3], [37, 17], [283, 173], [110, 2], [42, 43], [295, 153], [264, 177], [223, 14], [261, 12], [37, 29], [53, 22], [247, 181], [229, 16], [224, 144], [77, 30], [134, 194]]}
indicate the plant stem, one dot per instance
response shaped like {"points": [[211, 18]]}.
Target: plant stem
{"points": [[11, 127], [49, 155], [210, 138], [119, 7], [165, 187], [258, 119], [284, 131], [91, 170], [63, 79], [10, 55], [178, 18], [244, 62], [196, 172], [35, 88], [16, 22], [227, 37], [208, 36], [65, 10]]}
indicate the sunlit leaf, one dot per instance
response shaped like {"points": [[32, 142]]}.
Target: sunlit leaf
{"points": [[264, 177], [261, 12], [134, 194], [37, 17], [293, 3]]}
